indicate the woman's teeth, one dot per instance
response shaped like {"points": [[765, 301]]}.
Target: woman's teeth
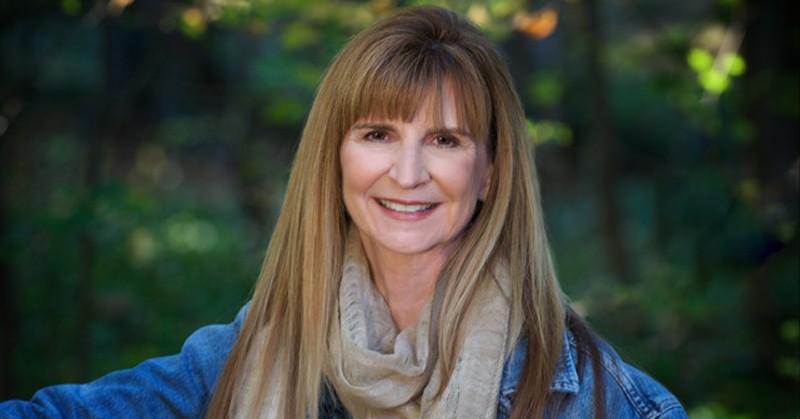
{"points": [[394, 206]]}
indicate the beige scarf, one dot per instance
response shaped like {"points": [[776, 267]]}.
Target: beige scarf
{"points": [[377, 372]]}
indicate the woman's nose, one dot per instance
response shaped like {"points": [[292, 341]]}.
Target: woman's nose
{"points": [[409, 168]]}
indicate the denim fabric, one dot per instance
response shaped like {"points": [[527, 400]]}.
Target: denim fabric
{"points": [[629, 393], [180, 386]]}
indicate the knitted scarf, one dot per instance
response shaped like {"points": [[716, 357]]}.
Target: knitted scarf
{"points": [[380, 373]]}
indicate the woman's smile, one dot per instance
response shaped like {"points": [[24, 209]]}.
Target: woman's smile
{"points": [[404, 207], [406, 211]]}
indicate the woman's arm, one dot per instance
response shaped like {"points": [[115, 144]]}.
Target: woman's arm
{"points": [[173, 386]]}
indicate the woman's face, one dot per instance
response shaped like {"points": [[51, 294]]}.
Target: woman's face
{"points": [[412, 187]]}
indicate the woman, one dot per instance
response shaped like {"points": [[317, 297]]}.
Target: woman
{"points": [[408, 274]]}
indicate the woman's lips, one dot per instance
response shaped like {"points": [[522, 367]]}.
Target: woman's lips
{"points": [[407, 208]]}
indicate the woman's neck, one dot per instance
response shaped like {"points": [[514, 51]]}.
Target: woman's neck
{"points": [[406, 282]]}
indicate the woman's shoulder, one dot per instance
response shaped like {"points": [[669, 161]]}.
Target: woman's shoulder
{"points": [[627, 391]]}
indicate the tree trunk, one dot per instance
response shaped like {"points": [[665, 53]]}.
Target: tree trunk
{"points": [[604, 147], [770, 51]]}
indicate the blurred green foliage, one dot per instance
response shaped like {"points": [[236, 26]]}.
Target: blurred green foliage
{"points": [[145, 145]]}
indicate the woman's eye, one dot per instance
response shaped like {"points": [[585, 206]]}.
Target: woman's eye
{"points": [[375, 136], [445, 141]]}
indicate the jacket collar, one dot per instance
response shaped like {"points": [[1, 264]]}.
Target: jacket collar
{"points": [[565, 378]]}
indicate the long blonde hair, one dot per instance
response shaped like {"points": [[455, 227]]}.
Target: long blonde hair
{"points": [[385, 71]]}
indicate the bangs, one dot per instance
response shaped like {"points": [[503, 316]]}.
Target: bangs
{"points": [[396, 83]]}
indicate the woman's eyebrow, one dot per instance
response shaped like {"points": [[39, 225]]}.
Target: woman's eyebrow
{"points": [[454, 130], [378, 126], [374, 126]]}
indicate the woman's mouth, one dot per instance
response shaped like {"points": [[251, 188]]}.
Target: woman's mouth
{"points": [[406, 208]]}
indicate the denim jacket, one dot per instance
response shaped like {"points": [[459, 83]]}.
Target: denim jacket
{"points": [[180, 386]]}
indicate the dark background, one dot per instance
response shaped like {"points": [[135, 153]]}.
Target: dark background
{"points": [[145, 145]]}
